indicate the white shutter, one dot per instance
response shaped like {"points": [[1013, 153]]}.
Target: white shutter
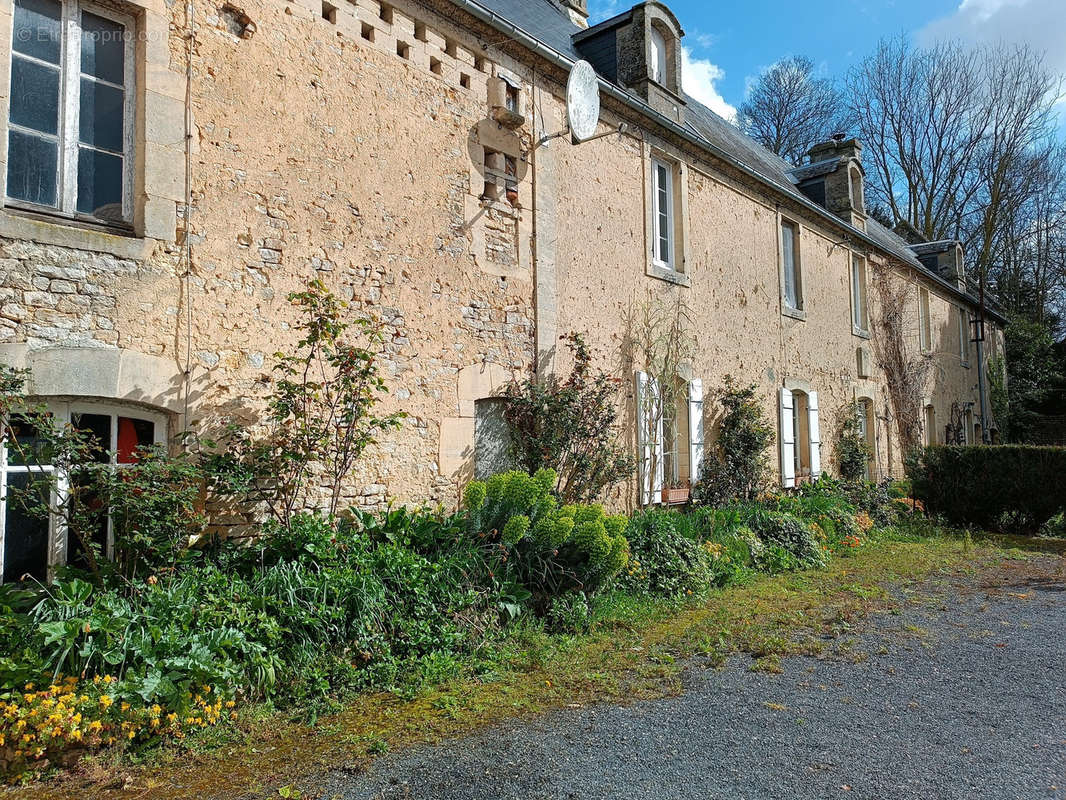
{"points": [[788, 441], [657, 410], [695, 428], [816, 434], [643, 445]]}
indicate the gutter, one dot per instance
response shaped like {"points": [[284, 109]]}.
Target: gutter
{"points": [[563, 61]]}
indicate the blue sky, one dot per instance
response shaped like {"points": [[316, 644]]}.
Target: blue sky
{"points": [[728, 43]]}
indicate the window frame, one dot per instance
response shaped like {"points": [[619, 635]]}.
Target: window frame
{"points": [[860, 310], [964, 335], [925, 325], [63, 412], [67, 137], [658, 58], [658, 166], [796, 307]]}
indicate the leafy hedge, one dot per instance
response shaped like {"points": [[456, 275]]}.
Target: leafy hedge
{"points": [[1008, 487]]}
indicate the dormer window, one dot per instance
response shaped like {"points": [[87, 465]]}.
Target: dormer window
{"points": [[658, 59], [855, 178]]}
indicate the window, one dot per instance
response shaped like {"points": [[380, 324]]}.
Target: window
{"points": [[501, 174], [864, 415], [669, 438], [70, 125], [964, 335], [657, 66], [329, 13], [925, 334], [859, 313], [663, 209], [790, 266], [967, 426], [492, 438], [33, 542], [855, 185], [930, 425], [800, 437], [511, 98]]}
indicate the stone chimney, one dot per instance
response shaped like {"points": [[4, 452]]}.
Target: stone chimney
{"points": [[576, 10], [844, 180]]}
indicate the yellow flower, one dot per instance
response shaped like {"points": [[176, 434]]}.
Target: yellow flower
{"points": [[106, 700], [95, 725]]}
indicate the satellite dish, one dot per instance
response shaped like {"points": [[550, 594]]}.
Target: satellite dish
{"points": [[582, 102]]}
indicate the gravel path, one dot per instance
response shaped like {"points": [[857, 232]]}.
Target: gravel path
{"points": [[964, 701]]}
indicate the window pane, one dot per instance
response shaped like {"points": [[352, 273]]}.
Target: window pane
{"points": [[99, 184], [133, 434], [89, 523], [98, 427], [31, 168], [26, 527], [100, 119], [34, 95], [37, 29], [25, 445], [788, 252], [103, 48]]}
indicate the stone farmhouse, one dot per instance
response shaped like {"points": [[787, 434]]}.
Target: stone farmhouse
{"points": [[174, 169]]}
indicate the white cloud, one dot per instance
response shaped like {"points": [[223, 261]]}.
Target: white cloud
{"points": [[698, 78], [1041, 24]]}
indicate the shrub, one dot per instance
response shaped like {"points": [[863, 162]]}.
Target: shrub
{"points": [[735, 469], [320, 414], [547, 548], [778, 529], [570, 426], [1004, 487], [853, 450], [663, 561]]}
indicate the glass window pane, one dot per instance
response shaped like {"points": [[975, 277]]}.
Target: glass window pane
{"points": [[89, 528], [26, 527], [31, 168], [103, 48], [34, 95], [25, 445], [99, 184], [100, 119], [98, 427], [37, 29], [133, 434]]}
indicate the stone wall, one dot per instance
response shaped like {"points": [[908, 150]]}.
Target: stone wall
{"points": [[352, 144]]}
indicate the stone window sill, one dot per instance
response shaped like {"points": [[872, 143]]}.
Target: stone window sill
{"points": [[668, 275], [862, 334], [795, 313], [71, 234]]}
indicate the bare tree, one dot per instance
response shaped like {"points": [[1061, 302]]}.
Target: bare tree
{"points": [[788, 110], [919, 114], [960, 145]]}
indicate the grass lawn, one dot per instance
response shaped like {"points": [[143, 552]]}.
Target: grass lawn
{"points": [[636, 650]]}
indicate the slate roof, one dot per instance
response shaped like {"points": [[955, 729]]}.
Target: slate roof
{"points": [[544, 22]]}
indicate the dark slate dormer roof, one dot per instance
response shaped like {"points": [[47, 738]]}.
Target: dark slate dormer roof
{"points": [[542, 21], [819, 169], [932, 248]]}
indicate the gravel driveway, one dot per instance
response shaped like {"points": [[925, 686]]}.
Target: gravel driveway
{"points": [[966, 700]]}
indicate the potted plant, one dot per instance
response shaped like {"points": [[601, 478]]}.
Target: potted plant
{"points": [[676, 493]]}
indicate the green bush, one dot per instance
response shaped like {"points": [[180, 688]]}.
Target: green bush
{"points": [[663, 560], [1006, 487], [533, 541], [307, 610], [780, 529], [735, 467]]}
